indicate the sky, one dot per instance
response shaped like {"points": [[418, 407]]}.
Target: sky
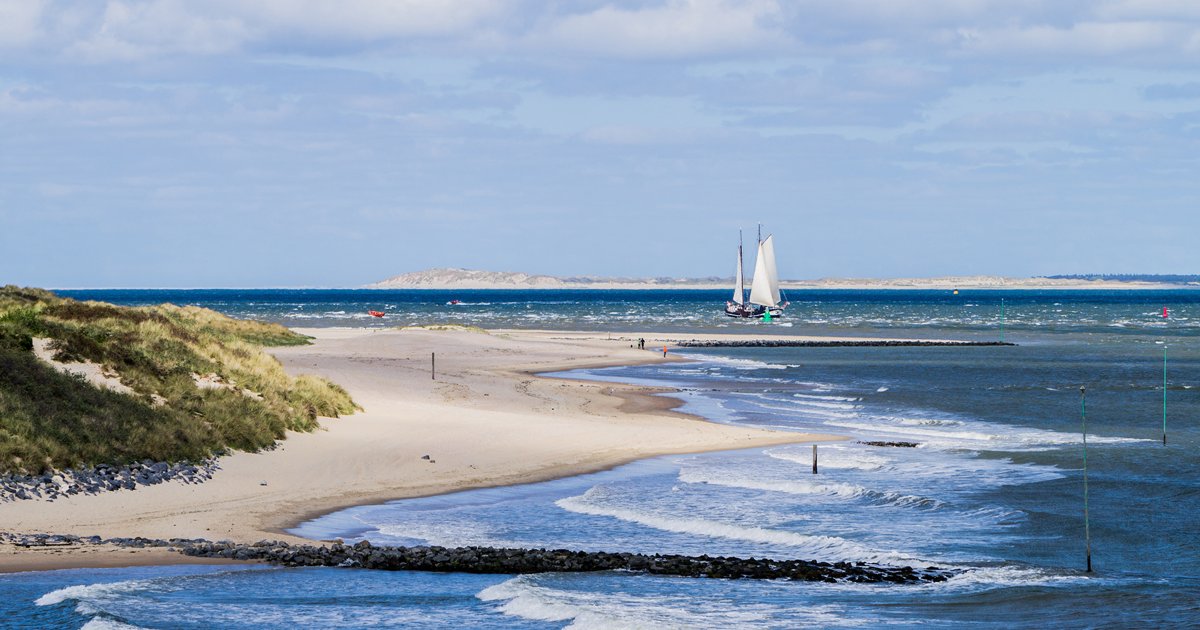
{"points": [[224, 143]]}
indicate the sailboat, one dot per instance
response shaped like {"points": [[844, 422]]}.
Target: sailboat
{"points": [[766, 300], [738, 306]]}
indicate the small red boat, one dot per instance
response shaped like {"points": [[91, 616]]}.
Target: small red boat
{"points": [[376, 313], [454, 302]]}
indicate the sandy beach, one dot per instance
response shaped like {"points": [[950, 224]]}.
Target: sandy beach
{"points": [[487, 419]]}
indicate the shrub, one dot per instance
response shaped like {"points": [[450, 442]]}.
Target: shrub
{"points": [[52, 420]]}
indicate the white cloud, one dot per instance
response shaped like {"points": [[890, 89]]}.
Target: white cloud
{"points": [[650, 29], [1149, 9], [678, 28], [1101, 39], [367, 20], [132, 30], [19, 21]]}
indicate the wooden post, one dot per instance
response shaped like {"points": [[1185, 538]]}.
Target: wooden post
{"points": [[433, 366], [1087, 532], [814, 459]]}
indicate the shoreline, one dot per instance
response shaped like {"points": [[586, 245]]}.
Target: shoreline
{"points": [[848, 285], [492, 381]]}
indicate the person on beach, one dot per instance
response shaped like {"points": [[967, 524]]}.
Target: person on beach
{"points": [[641, 343], [664, 351]]}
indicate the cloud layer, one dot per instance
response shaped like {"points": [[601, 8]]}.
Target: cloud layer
{"points": [[878, 138]]}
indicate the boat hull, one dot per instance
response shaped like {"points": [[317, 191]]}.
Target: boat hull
{"points": [[747, 310], [743, 310]]}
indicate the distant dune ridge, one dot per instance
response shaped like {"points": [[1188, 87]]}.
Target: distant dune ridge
{"points": [[452, 278]]}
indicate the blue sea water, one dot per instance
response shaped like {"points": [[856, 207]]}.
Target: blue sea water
{"points": [[993, 491]]}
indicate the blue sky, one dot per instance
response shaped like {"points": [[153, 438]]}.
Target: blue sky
{"points": [[306, 143]]}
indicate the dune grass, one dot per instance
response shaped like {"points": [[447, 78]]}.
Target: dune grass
{"points": [[53, 420]]}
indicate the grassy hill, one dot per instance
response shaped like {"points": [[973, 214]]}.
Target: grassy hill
{"points": [[201, 383]]}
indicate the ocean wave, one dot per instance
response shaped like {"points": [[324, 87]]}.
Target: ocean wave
{"points": [[799, 411], [741, 364], [933, 469], [532, 598], [833, 457], [830, 548], [92, 592], [815, 486], [998, 576], [91, 599], [824, 397], [105, 623], [972, 434]]}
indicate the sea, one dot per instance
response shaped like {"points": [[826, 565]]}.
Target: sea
{"points": [[993, 490]]}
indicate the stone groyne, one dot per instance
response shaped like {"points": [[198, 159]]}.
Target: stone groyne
{"points": [[495, 560]]}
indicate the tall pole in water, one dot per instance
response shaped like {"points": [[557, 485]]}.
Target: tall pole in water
{"points": [[1001, 320], [1164, 392], [1087, 532]]}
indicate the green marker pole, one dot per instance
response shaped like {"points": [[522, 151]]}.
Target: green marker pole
{"points": [[1087, 532]]}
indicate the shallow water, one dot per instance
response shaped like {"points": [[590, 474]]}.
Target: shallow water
{"points": [[993, 491]]}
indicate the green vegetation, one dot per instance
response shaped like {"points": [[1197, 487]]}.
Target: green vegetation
{"points": [[49, 419]]}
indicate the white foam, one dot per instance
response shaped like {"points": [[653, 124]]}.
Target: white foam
{"points": [[830, 548], [969, 434], [91, 598], [86, 592], [834, 457], [805, 486], [740, 364], [528, 597], [820, 397], [103, 623], [446, 532], [991, 577]]}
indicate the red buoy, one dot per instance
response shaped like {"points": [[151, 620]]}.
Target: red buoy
{"points": [[1164, 312]]}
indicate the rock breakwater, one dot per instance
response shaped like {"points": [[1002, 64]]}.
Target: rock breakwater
{"points": [[494, 560]]}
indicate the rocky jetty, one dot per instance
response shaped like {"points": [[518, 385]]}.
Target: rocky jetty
{"points": [[832, 343], [56, 484], [494, 560], [894, 444]]}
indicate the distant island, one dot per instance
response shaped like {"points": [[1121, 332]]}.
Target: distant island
{"points": [[452, 278]]}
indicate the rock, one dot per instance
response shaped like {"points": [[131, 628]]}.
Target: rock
{"points": [[503, 560]]}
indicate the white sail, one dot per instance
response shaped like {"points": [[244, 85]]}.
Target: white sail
{"points": [[764, 290], [739, 291], [768, 248]]}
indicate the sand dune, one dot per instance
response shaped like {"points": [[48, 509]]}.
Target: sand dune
{"points": [[485, 420]]}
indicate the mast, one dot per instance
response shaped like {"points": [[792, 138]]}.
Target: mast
{"points": [[739, 291]]}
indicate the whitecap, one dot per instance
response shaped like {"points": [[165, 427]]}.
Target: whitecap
{"points": [[831, 548]]}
